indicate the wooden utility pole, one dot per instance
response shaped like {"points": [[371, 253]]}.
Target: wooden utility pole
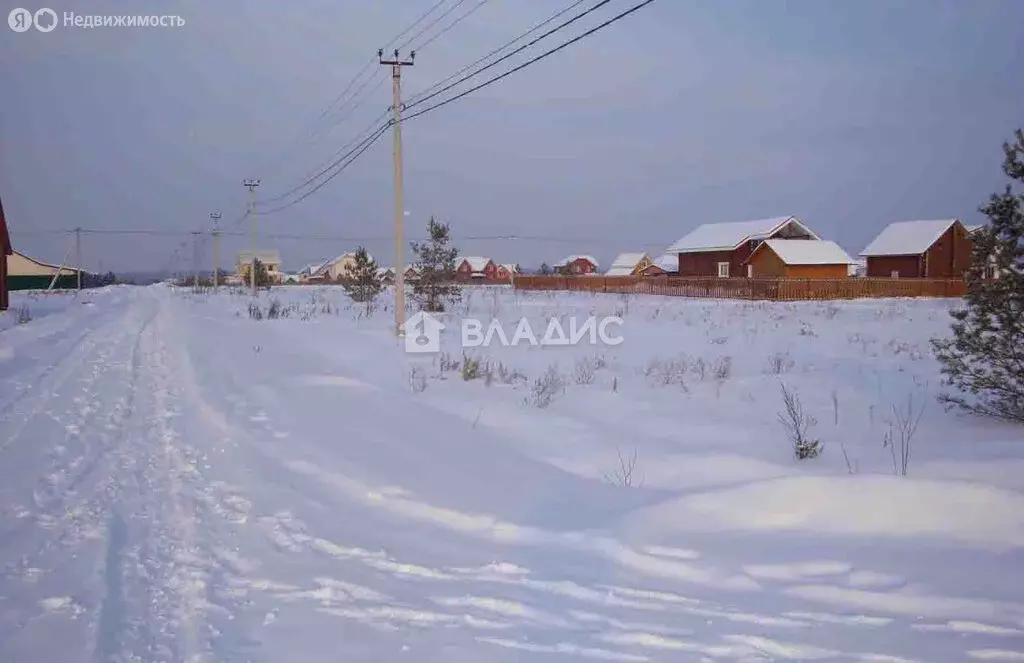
{"points": [[215, 218], [396, 65], [78, 256], [251, 185]]}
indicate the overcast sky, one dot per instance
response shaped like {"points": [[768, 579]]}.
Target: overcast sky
{"points": [[847, 113]]}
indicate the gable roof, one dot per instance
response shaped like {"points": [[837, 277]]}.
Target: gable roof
{"points": [[807, 252], [625, 263], [975, 228], [907, 238], [566, 260], [728, 236], [272, 257], [67, 269], [669, 262], [5, 237], [476, 263]]}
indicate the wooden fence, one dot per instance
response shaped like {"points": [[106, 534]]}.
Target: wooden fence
{"points": [[768, 289]]}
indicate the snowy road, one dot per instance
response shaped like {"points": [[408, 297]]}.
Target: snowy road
{"points": [[176, 490]]}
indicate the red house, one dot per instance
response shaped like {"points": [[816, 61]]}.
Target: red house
{"points": [[920, 250], [506, 272], [5, 250], [576, 266], [722, 249], [475, 268]]}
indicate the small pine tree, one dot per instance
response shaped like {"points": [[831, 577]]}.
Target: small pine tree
{"points": [[262, 275], [436, 288], [984, 358], [545, 269], [361, 280]]}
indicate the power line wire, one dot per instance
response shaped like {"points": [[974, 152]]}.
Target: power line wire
{"points": [[328, 164], [416, 36], [415, 23], [365, 146], [305, 139], [531, 61], [452, 24], [496, 51], [205, 235], [507, 56], [352, 155]]}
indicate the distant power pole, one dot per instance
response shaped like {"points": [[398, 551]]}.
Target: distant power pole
{"points": [[215, 218], [396, 65], [195, 261], [251, 185], [78, 256]]}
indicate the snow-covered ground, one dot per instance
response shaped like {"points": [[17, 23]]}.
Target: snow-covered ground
{"points": [[180, 482]]}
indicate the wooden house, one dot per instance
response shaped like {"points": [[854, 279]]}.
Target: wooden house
{"points": [[722, 249], [475, 268], [920, 249], [576, 265], [5, 250], [629, 264], [506, 272], [799, 258]]}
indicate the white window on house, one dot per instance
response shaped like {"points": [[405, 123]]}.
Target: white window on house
{"points": [[894, 274], [723, 269], [750, 271]]}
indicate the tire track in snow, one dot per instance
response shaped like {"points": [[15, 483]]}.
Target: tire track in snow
{"points": [[66, 516]]}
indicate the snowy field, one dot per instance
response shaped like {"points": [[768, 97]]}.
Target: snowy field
{"points": [[181, 482]]}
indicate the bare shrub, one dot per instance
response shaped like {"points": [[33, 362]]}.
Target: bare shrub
{"points": [[274, 310], [666, 372], [700, 368], [798, 424], [447, 364], [508, 375], [779, 363], [902, 426], [807, 330], [722, 369], [624, 474], [546, 388], [584, 371], [255, 312], [830, 311], [24, 315], [417, 379]]}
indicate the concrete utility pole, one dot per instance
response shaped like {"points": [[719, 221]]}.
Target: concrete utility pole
{"points": [[215, 218], [195, 261], [78, 256], [251, 185], [396, 65]]}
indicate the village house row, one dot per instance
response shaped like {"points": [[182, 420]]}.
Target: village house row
{"points": [[781, 247]]}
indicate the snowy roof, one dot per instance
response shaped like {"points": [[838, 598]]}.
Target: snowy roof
{"points": [[975, 228], [625, 263], [669, 262], [728, 236], [566, 260], [384, 270], [510, 267], [476, 263], [263, 256], [907, 238], [808, 252]]}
